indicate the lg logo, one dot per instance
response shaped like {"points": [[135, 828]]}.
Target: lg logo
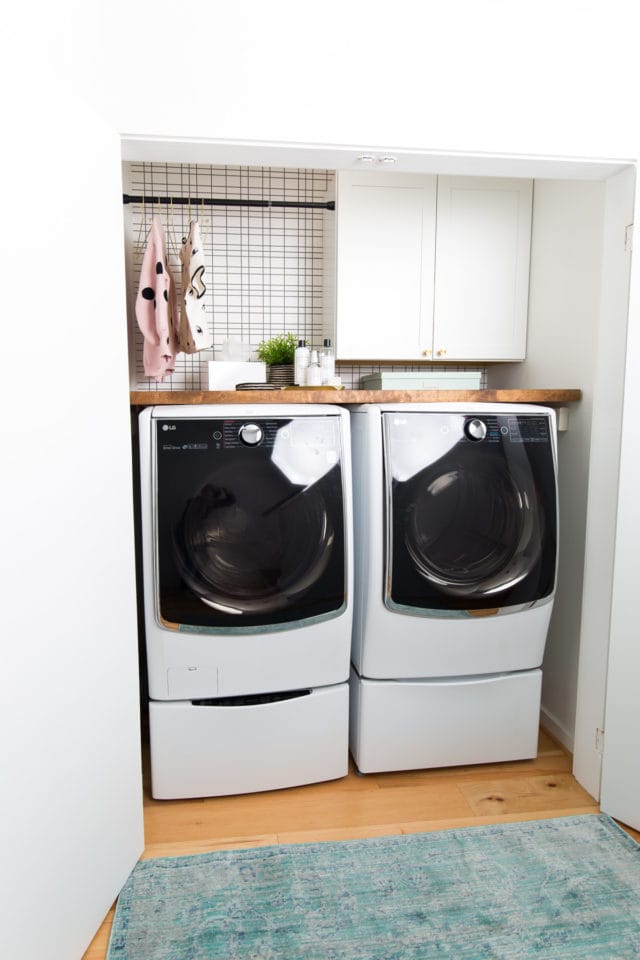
{"points": [[168, 426]]}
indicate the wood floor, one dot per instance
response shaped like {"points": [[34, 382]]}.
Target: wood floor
{"points": [[363, 806]]}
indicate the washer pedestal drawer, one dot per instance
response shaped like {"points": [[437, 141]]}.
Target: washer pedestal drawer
{"points": [[415, 724], [211, 749]]}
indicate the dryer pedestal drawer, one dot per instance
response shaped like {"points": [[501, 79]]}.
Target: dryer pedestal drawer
{"points": [[210, 749], [415, 724]]}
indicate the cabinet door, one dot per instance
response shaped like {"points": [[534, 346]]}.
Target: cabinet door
{"points": [[385, 258], [482, 268]]}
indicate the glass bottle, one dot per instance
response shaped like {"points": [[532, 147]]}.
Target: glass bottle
{"points": [[300, 363], [327, 362], [314, 374]]}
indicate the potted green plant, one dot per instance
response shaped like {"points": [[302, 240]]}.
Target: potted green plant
{"points": [[278, 354]]}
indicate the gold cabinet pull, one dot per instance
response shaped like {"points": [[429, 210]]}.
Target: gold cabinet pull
{"points": [[426, 353], [442, 352]]}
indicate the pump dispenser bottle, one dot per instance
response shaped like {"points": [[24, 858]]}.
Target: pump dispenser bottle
{"points": [[314, 375], [300, 363], [327, 362]]}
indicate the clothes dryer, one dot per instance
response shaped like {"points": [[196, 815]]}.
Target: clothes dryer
{"points": [[247, 569], [456, 546]]}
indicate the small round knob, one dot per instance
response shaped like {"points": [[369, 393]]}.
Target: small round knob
{"points": [[475, 429], [442, 352], [426, 353], [251, 434]]}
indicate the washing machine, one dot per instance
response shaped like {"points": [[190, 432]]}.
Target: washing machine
{"points": [[247, 580], [456, 531]]}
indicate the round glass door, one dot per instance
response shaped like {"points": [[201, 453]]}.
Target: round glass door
{"points": [[475, 529], [470, 511], [249, 522], [248, 544]]}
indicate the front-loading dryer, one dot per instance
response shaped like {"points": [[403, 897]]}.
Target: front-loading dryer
{"points": [[247, 570], [456, 553]]}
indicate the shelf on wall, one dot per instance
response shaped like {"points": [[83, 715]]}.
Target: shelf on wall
{"points": [[545, 397]]}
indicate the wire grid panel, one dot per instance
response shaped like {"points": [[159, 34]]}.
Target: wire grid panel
{"points": [[264, 265]]}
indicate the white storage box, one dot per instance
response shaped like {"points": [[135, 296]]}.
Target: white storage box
{"points": [[417, 724], [225, 374], [422, 380], [203, 750]]}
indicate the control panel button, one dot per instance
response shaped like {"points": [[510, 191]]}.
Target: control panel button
{"points": [[250, 434], [475, 429]]}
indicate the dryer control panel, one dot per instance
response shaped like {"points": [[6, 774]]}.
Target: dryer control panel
{"points": [[525, 428]]}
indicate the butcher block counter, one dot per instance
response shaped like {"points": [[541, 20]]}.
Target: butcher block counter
{"points": [[145, 398]]}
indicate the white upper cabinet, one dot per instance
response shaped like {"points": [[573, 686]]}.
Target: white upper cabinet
{"points": [[419, 279], [483, 239], [385, 260]]}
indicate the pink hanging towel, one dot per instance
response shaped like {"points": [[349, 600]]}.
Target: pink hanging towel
{"points": [[156, 307], [192, 333]]}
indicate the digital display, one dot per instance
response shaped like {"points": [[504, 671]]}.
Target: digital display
{"points": [[529, 429]]}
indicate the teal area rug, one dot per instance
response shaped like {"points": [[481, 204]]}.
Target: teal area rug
{"points": [[561, 889]]}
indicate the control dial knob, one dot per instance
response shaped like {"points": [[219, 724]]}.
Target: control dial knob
{"points": [[250, 434], [475, 429]]}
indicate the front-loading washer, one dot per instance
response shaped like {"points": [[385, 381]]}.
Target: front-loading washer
{"points": [[247, 580], [456, 523]]}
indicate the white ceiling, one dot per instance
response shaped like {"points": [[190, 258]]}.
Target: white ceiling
{"points": [[327, 157]]}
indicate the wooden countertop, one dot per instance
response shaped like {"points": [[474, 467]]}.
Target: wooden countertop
{"points": [[145, 398]]}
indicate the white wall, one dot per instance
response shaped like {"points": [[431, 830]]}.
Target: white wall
{"points": [[70, 794], [564, 299], [545, 77]]}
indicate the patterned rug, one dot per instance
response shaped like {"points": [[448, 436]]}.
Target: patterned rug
{"points": [[561, 889]]}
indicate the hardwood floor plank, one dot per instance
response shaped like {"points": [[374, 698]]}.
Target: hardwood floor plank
{"points": [[340, 833], [185, 848], [525, 794], [287, 810]]}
